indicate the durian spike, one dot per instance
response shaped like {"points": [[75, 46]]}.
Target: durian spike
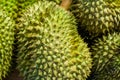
{"points": [[66, 4]]}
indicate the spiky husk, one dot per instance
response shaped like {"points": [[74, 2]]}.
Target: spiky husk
{"points": [[10, 7], [23, 4], [6, 42], [49, 47], [57, 1], [106, 58], [97, 16]]}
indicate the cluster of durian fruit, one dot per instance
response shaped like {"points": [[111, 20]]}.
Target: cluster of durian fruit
{"points": [[60, 39]]}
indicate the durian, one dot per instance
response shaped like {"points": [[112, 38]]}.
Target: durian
{"points": [[106, 58], [49, 47], [10, 7], [57, 1], [23, 4], [97, 16], [6, 42]]}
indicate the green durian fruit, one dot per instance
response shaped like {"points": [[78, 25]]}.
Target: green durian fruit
{"points": [[9, 6], [106, 58], [57, 1], [6, 42], [97, 16], [49, 47], [23, 4]]}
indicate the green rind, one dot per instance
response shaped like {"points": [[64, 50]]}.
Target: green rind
{"points": [[49, 47], [106, 58], [23, 4], [6, 42], [10, 7], [56, 1], [97, 16]]}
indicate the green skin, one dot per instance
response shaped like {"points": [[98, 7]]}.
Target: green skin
{"points": [[106, 58], [57, 1], [23, 4], [115, 1], [97, 16], [6, 43], [49, 46], [10, 7]]}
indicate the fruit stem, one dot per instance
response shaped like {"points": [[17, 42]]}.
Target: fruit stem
{"points": [[66, 4]]}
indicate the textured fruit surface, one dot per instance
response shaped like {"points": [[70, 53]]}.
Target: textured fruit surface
{"points": [[9, 6], [98, 16], [57, 1], [23, 4], [49, 47], [106, 58], [6, 42]]}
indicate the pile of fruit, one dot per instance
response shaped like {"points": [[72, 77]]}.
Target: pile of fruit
{"points": [[60, 39]]}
